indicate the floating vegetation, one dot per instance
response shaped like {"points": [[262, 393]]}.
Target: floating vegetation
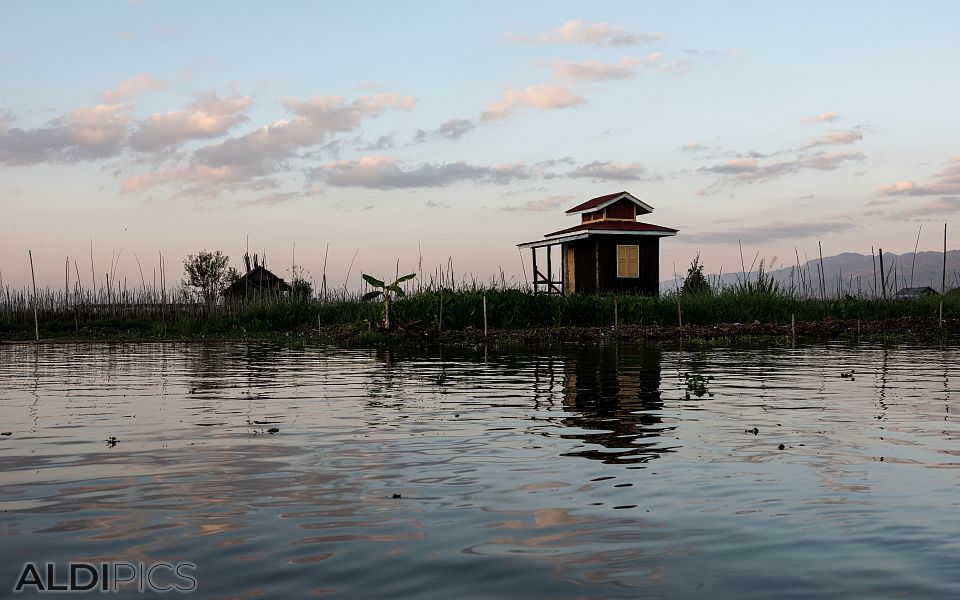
{"points": [[697, 385]]}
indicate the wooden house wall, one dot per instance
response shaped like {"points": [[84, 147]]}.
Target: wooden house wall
{"points": [[584, 262], [648, 282], [622, 209], [591, 216], [604, 248]]}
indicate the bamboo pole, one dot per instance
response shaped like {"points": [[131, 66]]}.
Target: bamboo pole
{"points": [[883, 276], [484, 316], [943, 280], [323, 282], [679, 315], [36, 319], [93, 274], [913, 263], [823, 274]]}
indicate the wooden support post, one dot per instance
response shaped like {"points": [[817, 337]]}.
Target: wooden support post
{"points": [[793, 327], [440, 317], [596, 266], [616, 317], [549, 269], [533, 251]]}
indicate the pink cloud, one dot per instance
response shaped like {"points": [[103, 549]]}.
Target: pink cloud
{"points": [[837, 138], [824, 117], [948, 183], [545, 97], [245, 161], [898, 187], [625, 68], [134, 86], [85, 133], [209, 116], [578, 32]]}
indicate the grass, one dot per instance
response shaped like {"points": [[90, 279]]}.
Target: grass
{"points": [[148, 314]]}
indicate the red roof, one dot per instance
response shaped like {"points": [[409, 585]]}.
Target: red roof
{"points": [[601, 201], [615, 226]]}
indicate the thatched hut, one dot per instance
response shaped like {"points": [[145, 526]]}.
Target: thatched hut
{"points": [[256, 283]]}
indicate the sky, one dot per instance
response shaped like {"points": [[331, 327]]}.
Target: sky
{"points": [[445, 133]]}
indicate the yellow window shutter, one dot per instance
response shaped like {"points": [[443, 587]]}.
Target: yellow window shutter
{"points": [[628, 261]]}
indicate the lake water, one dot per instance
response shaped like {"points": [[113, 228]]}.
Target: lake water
{"points": [[602, 471]]}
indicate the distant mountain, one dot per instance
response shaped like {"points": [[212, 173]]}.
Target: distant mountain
{"points": [[852, 273]]}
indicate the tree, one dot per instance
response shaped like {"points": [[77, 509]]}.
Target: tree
{"points": [[206, 273], [232, 276], [695, 283], [385, 291], [300, 287]]}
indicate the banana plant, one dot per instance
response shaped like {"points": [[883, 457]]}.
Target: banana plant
{"points": [[385, 291]]}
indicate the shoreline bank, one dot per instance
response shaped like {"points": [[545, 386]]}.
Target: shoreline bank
{"points": [[361, 335]]}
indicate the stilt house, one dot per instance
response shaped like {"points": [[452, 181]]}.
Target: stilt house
{"points": [[609, 251]]}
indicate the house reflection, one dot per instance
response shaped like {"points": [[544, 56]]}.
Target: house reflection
{"points": [[613, 397]]}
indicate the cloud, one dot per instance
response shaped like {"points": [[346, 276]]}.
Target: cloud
{"points": [[454, 129], [754, 170], [698, 148], [609, 171], [940, 206], [625, 68], [578, 32], [541, 204], [209, 116], [196, 179], [86, 133], [240, 161], [384, 173], [829, 162], [824, 117], [383, 142], [837, 138], [948, 183], [777, 231], [545, 97], [275, 199], [134, 86]]}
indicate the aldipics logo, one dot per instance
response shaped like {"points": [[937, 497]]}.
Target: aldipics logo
{"points": [[107, 577]]}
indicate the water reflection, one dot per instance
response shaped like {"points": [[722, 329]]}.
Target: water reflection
{"points": [[614, 398], [489, 472]]}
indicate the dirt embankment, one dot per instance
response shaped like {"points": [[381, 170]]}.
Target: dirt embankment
{"points": [[907, 327]]}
